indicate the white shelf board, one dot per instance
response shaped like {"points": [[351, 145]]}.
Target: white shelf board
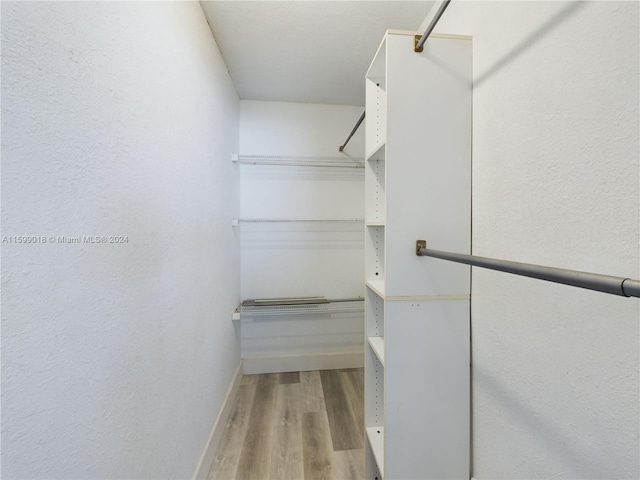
{"points": [[377, 286], [300, 161], [376, 223], [378, 152], [255, 312], [377, 345], [378, 66], [376, 440], [237, 221]]}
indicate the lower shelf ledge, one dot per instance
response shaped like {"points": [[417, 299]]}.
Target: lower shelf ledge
{"points": [[377, 286], [250, 309], [377, 345], [376, 440]]}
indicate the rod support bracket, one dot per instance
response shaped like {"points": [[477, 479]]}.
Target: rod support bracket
{"points": [[420, 244], [416, 39]]}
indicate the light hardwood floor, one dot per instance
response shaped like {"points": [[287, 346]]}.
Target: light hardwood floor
{"points": [[294, 426]]}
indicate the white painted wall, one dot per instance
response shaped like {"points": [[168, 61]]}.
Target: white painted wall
{"points": [[117, 119], [296, 260], [555, 182]]}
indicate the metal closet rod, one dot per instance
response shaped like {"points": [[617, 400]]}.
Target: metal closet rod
{"points": [[622, 286], [419, 43], [278, 302], [341, 148]]}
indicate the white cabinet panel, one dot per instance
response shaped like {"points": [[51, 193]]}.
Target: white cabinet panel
{"points": [[417, 186]]}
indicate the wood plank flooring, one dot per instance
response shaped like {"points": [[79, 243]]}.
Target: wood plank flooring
{"points": [[295, 426]]}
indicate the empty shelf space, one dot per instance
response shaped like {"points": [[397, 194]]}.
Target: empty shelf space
{"points": [[376, 440], [377, 345], [379, 152], [376, 223], [377, 286]]}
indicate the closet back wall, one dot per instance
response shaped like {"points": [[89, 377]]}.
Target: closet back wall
{"points": [[322, 261], [295, 259]]}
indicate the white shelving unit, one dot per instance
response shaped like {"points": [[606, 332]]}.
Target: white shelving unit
{"points": [[417, 186]]}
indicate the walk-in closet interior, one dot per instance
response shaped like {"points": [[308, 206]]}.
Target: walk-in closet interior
{"points": [[300, 233], [329, 240]]}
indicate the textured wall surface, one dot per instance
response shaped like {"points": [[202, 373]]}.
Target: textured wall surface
{"points": [[555, 182], [117, 119]]}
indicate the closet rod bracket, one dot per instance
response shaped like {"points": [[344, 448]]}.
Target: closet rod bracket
{"points": [[416, 41], [420, 244]]}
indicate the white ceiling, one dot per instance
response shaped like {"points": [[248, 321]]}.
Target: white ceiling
{"points": [[305, 51]]}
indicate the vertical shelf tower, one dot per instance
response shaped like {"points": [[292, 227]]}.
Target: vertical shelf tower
{"points": [[417, 186]]}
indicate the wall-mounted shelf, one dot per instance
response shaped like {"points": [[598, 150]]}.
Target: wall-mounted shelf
{"points": [[294, 233], [329, 306], [239, 221], [300, 161]]}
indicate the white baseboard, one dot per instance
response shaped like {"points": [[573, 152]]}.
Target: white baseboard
{"points": [[208, 455], [301, 363]]}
